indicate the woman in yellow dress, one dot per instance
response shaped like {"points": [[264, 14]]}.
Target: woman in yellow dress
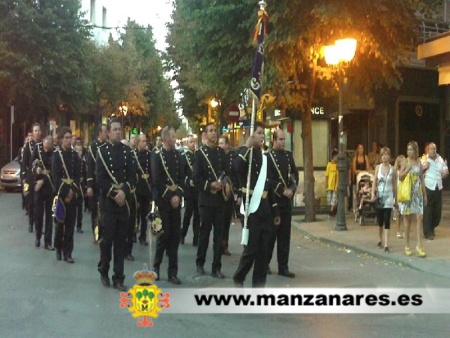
{"points": [[413, 167]]}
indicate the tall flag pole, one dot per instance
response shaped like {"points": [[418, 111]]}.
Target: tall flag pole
{"points": [[255, 88]]}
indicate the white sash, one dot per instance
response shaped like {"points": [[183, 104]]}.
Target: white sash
{"points": [[258, 191]]}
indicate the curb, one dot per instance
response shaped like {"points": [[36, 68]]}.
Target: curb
{"points": [[358, 250]]}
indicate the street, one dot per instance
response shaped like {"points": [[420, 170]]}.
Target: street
{"points": [[42, 297]]}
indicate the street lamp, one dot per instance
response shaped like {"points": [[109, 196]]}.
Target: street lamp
{"points": [[123, 109], [339, 55]]}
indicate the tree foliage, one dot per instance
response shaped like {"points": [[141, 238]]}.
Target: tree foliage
{"points": [[211, 52], [42, 63]]}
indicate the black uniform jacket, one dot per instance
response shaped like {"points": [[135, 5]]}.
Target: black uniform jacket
{"points": [[240, 166], [62, 180], [209, 165], [91, 161], [115, 170], [284, 174], [167, 176], [45, 159], [143, 172], [26, 161], [188, 159]]}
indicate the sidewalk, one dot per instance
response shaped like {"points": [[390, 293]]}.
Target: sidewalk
{"points": [[364, 239]]}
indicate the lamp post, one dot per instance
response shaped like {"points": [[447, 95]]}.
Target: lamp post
{"points": [[339, 55], [123, 109]]}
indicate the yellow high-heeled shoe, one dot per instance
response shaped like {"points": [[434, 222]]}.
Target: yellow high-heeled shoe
{"points": [[420, 252], [408, 251]]}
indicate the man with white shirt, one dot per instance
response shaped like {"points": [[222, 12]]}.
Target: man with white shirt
{"points": [[435, 170]]}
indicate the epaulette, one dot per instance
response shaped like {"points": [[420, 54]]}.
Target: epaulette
{"points": [[103, 144], [38, 143], [157, 151]]}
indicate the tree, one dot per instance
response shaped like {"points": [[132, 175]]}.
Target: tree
{"points": [[42, 63], [385, 31], [130, 70], [210, 50]]}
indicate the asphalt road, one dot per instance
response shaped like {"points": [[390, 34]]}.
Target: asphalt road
{"points": [[41, 297]]}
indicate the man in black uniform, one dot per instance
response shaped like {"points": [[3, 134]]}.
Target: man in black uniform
{"points": [[116, 177], [132, 220], [143, 186], [191, 194], [168, 177], [66, 179], [224, 143], [209, 168], [284, 179], [43, 190], [260, 222], [27, 176], [20, 160], [80, 197], [92, 188]]}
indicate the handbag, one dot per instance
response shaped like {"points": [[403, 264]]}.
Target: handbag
{"points": [[404, 190]]}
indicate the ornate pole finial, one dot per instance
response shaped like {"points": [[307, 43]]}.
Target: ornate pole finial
{"points": [[262, 5]]}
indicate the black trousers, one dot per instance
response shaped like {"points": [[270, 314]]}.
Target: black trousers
{"points": [[228, 214], [131, 228], [432, 211], [144, 208], [261, 230], [210, 216], [115, 226], [64, 231], [43, 202], [384, 217], [191, 209], [30, 205], [80, 200], [94, 207], [283, 238], [170, 239]]}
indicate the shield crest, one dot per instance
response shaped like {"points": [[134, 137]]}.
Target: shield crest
{"points": [[145, 300]]}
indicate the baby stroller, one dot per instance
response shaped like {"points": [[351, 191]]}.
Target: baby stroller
{"points": [[368, 209]]}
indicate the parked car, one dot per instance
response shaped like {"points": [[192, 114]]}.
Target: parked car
{"points": [[10, 176]]}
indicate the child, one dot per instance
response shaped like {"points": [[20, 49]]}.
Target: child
{"points": [[331, 180], [365, 193], [397, 216]]}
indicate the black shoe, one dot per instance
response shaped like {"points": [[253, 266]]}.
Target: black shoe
{"points": [[30, 228], [69, 260], [174, 280], [119, 286], [181, 240], [37, 243], [430, 237], [143, 242], [58, 256], [156, 269], [379, 246], [227, 252], [386, 249], [134, 238], [269, 272], [49, 247], [218, 274], [286, 273], [200, 270], [79, 231], [238, 283], [130, 257], [105, 280]]}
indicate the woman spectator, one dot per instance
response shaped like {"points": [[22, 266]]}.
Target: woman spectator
{"points": [[413, 167], [385, 190], [375, 155], [360, 163], [397, 216]]}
